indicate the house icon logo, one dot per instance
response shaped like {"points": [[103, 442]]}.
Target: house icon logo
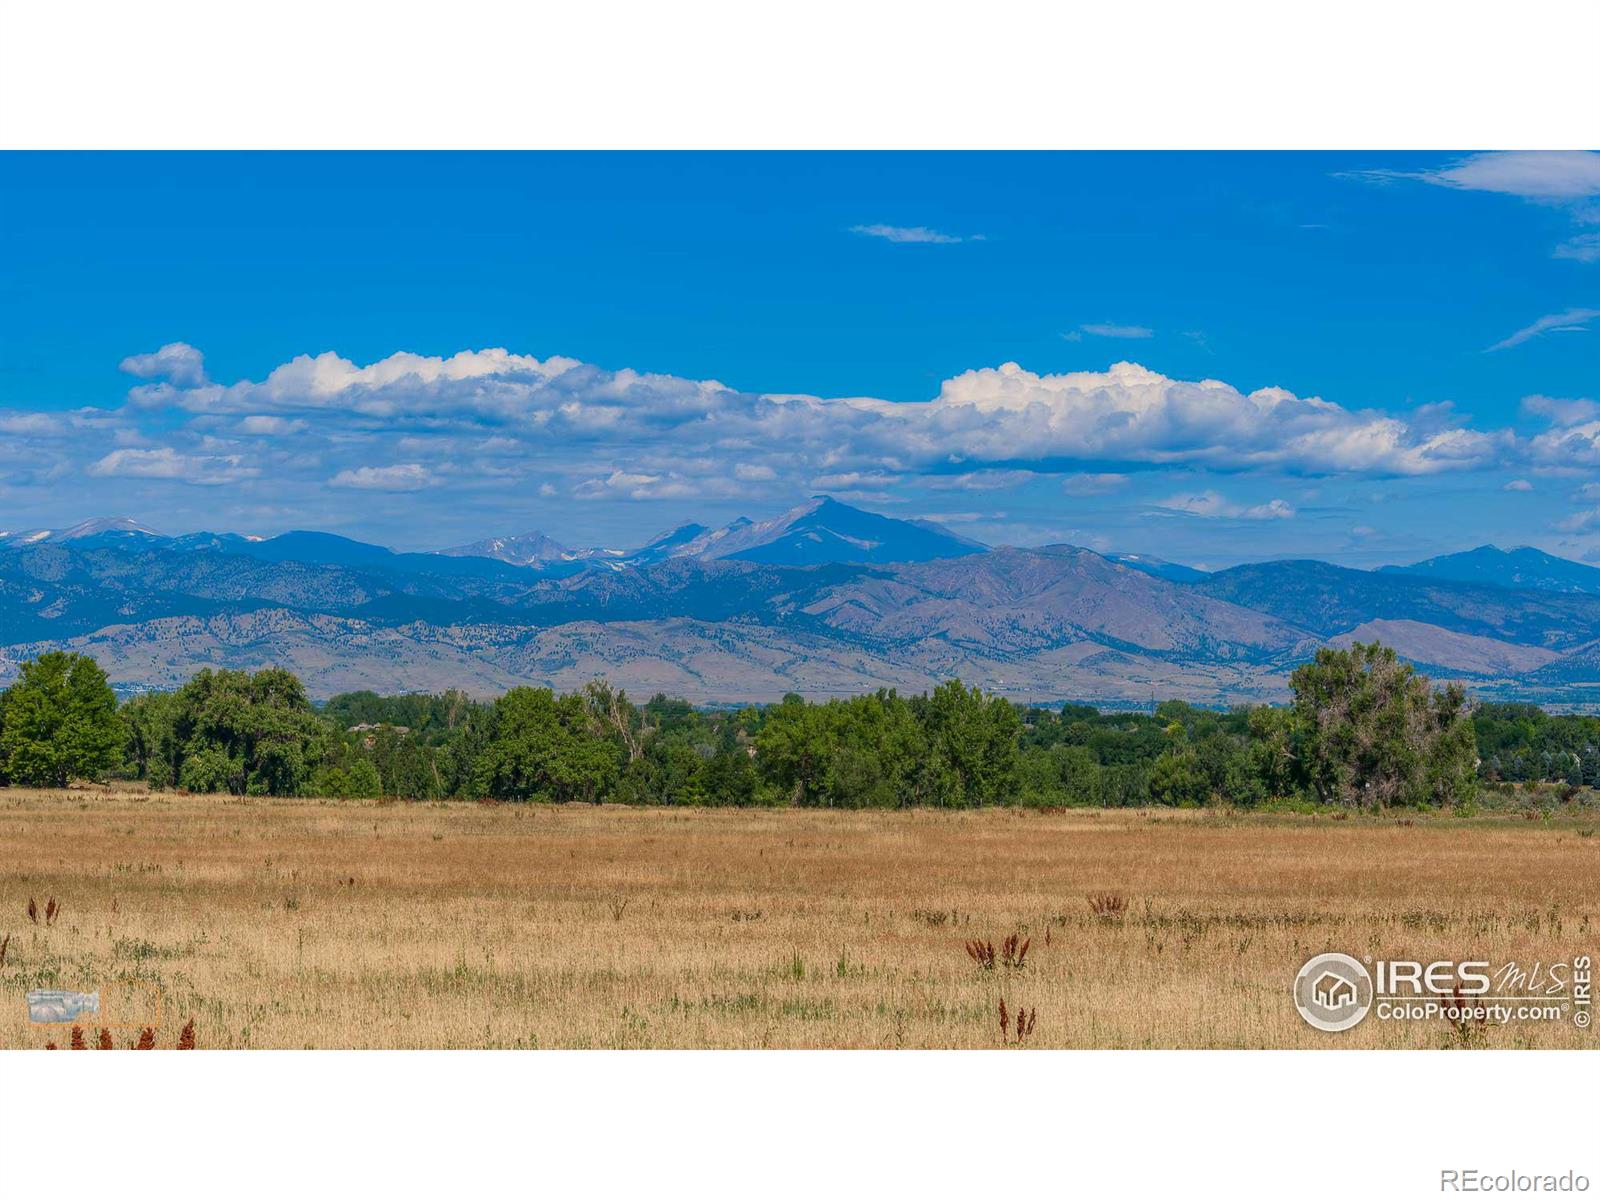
{"points": [[1333, 992]]}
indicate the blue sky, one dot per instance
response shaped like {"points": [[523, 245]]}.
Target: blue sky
{"points": [[1376, 325]]}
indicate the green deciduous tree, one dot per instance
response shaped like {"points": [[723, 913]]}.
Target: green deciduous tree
{"points": [[231, 731], [973, 742], [543, 748], [359, 780], [1274, 748], [60, 722], [1364, 729], [1177, 778], [1375, 734], [152, 750], [792, 748], [867, 752]]}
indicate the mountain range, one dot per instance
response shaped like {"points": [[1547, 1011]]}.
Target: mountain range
{"points": [[821, 530], [1523, 567], [826, 599]]}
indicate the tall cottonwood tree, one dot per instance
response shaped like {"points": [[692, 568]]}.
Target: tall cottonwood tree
{"points": [[1374, 733]]}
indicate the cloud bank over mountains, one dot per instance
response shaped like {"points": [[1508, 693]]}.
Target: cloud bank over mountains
{"points": [[491, 420]]}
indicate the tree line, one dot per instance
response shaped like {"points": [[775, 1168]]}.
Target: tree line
{"points": [[1364, 730]]}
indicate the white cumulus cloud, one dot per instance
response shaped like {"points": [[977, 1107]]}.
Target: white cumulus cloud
{"points": [[177, 362], [1214, 504], [988, 480], [399, 477], [1138, 415], [209, 470], [262, 426], [994, 417], [478, 421]]}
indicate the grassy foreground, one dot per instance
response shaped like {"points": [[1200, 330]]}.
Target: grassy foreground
{"points": [[350, 924]]}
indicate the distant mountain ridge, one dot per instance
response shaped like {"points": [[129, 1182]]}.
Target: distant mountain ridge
{"points": [[94, 527], [824, 530], [667, 545], [1522, 567], [825, 599], [1159, 567], [520, 549], [533, 549], [821, 530]]}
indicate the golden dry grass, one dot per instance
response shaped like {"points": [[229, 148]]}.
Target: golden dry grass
{"points": [[347, 924]]}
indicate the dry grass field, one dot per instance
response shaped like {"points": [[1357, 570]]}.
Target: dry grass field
{"points": [[349, 924]]}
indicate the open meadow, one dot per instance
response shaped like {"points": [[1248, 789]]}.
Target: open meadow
{"points": [[303, 923]]}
